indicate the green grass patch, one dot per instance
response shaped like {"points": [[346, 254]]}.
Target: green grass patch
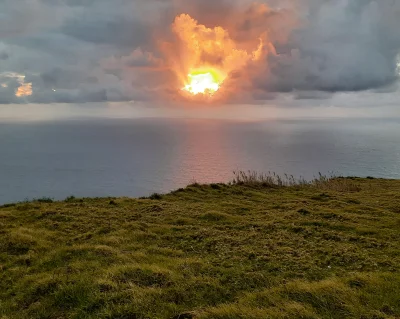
{"points": [[260, 247]]}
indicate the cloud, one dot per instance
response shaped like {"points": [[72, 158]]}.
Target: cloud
{"points": [[4, 55], [74, 51], [13, 86], [29, 16], [343, 46], [113, 29]]}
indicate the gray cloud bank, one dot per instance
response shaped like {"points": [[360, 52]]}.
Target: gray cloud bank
{"points": [[98, 50], [344, 46]]}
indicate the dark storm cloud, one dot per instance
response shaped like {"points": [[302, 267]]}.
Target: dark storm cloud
{"points": [[4, 55], [29, 16], [344, 46], [7, 94], [312, 95], [116, 30], [87, 51]]}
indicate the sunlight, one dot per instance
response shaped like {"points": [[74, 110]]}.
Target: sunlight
{"points": [[204, 82]]}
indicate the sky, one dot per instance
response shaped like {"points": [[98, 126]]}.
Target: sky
{"points": [[127, 58]]}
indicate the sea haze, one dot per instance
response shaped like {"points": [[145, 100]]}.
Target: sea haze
{"points": [[138, 157]]}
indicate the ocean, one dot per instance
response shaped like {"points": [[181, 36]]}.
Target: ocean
{"points": [[137, 157]]}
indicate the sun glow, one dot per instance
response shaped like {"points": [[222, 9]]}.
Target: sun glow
{"points": [[209, 57], [205, 82]]}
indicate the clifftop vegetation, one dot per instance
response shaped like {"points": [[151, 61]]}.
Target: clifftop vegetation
{"points": [[251, 249]]}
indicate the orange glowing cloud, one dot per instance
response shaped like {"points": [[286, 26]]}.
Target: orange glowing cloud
{"points": [[207, 56], [24, 90]]}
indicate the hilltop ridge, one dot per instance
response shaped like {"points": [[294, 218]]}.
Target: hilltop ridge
{"points": [[245, 250]]}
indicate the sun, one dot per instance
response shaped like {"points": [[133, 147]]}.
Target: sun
{"points": [[204, 81]]}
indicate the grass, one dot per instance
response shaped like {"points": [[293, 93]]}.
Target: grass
{"points": [[259, 247]]}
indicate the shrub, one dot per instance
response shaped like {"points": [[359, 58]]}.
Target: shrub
{"points": [[215, 186], [70, 199], [155, 196], [44, 200], [273, 180], [8, 205]]}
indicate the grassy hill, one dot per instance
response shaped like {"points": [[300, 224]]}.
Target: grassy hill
{"points": [[246, 250]]}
